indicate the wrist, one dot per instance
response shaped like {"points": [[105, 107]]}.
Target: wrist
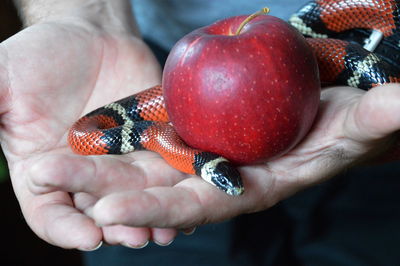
{"points": [[106, 15]]}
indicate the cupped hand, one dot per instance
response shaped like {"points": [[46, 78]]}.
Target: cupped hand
{"points": [[352, 126], [51, 74]]}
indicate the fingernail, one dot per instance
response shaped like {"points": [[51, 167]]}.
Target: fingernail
{"points": [[189, 231], [92, 249], [128, 245], [164, 244]]}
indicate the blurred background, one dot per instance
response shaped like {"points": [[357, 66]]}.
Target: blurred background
{"points": [[20, 246]]}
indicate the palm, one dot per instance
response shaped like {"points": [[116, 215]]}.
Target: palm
{"points": [[57, 73], [66, 72]]}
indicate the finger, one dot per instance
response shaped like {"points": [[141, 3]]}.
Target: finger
{"points": [[374, 116], [163, 236], [189, 231], [84, 201], [192, 202], [100, 175], [127, 236], [118, 234], [156, 207], [53, 218]]}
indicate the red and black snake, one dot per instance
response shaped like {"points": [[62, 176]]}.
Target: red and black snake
{"points": [[336, 30], [140, 122]]}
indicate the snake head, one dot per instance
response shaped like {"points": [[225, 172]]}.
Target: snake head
{"points": [[222, 174]]}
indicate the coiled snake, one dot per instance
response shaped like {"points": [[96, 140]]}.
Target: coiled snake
{"points": [[356, 43]]}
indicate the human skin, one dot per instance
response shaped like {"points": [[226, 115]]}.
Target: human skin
{"points": [[66, 63]]}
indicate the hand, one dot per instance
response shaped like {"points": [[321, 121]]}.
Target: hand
{"points": [[51, 74], [352, 126]]}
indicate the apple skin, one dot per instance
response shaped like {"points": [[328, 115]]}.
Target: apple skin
{"points": [[249, 97]]}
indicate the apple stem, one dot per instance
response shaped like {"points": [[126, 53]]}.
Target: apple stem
{"points": [[263, 11]]}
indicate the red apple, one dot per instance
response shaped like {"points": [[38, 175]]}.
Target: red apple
{"points": [[250, 96]]}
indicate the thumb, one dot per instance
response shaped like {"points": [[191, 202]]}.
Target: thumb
{"points": [[376, 116]]}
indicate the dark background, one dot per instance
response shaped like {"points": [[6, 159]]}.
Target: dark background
{"points": [[353, 219], [20, 246]]}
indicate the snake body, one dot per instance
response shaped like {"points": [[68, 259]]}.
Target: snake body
{"points": [[336, 30], [140, 122]]}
